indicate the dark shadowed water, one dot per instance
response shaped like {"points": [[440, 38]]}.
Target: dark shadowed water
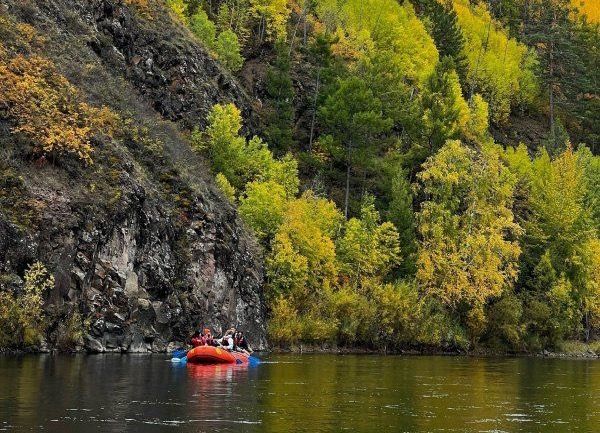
{"points": [[299, 393]]}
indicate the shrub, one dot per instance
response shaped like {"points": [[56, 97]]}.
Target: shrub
{"points": [[21, 317], [47, 109], [226, 188]]}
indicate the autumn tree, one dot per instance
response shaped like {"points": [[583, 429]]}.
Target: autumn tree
{"points": [[468, 250], [272, 16]]}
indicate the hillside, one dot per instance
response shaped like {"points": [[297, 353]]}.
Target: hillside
{"points": [[378, 174], [139, 240]]}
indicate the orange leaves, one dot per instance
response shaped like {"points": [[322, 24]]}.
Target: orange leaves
{"points": [[46, 108]]}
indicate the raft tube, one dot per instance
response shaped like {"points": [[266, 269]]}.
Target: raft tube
{"points": [[215, 355]]}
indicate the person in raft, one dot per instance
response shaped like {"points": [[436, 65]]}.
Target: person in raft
{"points": [[227, 342], [239, 340], [208, 338], [198, 339]]}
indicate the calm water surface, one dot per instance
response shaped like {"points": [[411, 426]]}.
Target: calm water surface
{"points": [[299, 393]]}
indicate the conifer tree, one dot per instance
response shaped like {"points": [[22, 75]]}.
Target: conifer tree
{"points": [[280, 115], [446, 32], [549, 28], [354, 116]]}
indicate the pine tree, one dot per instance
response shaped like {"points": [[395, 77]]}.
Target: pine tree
{"points": [[446, 32], [280, 115], [354, 116], [549, 28], [444, 109]]}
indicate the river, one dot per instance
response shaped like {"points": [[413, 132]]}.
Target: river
{"points": [[299, 393]]}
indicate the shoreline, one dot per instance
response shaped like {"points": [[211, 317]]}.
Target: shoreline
{"points": [[589, 354], [582, 351]]}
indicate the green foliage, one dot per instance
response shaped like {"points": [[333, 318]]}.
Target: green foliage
{"points": [[446, 32], [203, 28], [400, 212], [354, 116], [445, 112], [234, 15], [225, 45], [367, 249], [505, 322], [227, 48], [280, 110], [559, 263], [21, 316], [262, 207]]}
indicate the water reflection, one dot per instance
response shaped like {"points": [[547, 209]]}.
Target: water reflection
{"points": [[310, 393]]}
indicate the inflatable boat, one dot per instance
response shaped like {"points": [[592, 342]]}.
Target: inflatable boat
{"points": [[215, 355]]}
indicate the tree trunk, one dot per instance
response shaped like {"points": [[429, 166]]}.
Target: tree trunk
{"points": [[314, 113], [347, 198], [551, 82]]}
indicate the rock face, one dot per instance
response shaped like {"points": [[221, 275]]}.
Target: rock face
{"points": [[142, 269], [180, 79]]}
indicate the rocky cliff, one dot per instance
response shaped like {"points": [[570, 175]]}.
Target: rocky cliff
{"points": [[141, 243]]}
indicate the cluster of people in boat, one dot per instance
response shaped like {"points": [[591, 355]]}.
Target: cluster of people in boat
{"points": [[232, 340]]}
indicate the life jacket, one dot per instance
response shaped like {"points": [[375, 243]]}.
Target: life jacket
{"points": [[198, 341]]}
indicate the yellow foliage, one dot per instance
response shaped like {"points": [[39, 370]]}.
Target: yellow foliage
{"points": [[499, 67], [468, 249], [363, 26], [303, 254], [226, 188], [273, 15], [47, 109], [21, 321], [589, 8], [177, 7]]}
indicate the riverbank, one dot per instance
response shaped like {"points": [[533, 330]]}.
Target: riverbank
{"points": [[568, 350]]}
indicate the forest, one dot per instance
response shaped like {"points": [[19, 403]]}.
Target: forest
{"points": [[391, 217], [423, 174]]}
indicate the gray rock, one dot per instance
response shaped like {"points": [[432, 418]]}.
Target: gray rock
{"points": [[138, 264], [93, 345]]}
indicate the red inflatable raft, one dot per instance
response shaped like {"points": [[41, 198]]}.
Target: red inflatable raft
{"points": [[215, 355]]}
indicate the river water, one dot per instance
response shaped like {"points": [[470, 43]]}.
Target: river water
{"points": [[299, 393]]}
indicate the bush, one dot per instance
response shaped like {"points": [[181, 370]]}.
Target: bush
{"points": [[47, 109], [21, 317], [226, 188]]}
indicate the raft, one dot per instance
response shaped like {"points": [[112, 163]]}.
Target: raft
{"points": [[215, 355]]}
